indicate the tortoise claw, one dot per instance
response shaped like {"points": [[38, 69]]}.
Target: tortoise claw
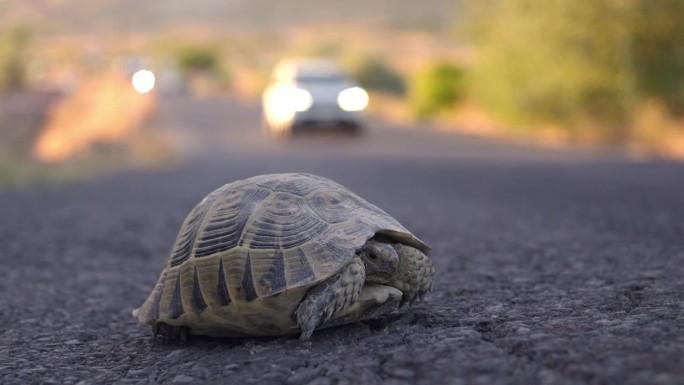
{"points": [[424, 293], [412, 297]]}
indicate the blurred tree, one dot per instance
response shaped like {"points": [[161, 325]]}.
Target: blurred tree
{"points": [[374, 74], [658, 48], [204, 69], [437, 87], [13, 43], [198, 58], [567, 62]]}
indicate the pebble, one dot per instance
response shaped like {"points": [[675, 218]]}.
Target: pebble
{"points": [[137, 372], [305, 375], [200, 371], [401, 373], [230, 368], [320, 381], [183, 379], [174, 355]]}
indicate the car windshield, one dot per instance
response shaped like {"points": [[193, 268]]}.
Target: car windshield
{"points": [[319, 78]]}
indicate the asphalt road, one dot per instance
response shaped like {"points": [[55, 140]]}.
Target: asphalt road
{"points": [[553, 267]]}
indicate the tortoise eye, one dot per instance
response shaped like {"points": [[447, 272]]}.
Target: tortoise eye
{"points": [[373, 256]]}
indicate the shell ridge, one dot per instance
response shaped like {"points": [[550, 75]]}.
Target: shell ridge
{"points": [[148, 313], [176, 302], [287, 222], [305, 269], [231, 228], [248, 281], [197, 297], [187, 237], [274, 281], [222, 286]]}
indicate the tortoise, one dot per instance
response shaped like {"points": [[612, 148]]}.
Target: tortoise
{"points": [[284, 254]]}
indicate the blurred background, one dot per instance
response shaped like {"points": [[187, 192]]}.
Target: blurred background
{"points": [[90, 86]]}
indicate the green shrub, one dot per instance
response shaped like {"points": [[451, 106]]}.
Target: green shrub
{"points": [[198, 58], [436, 88], [569, 62], [13, 44], [657, 41], [373, 74]]}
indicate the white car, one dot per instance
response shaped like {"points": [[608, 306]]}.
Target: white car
{"points": [[312, 93]]}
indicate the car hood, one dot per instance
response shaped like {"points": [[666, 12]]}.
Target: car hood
{"points": [[325, 92]]}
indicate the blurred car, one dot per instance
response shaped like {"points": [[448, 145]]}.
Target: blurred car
{"points": [[311, 93]]}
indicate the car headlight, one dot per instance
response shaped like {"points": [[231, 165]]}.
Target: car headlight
{"points": [[353, 99], [143, 81], [298, 99], [282, 102]]}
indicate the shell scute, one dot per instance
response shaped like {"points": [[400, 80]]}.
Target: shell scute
{"points": [[226, 222]]}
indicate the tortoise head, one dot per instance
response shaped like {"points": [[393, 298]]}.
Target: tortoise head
{"points": [[380, 259]]}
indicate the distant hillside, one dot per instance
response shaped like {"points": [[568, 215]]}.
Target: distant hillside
{"points": [[140, 15]]}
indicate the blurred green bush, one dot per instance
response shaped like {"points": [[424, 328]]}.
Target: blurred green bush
{"points": [[375, 75], [572, 62], [197, 58], [437, 87], [13, 45], [205, 67]]}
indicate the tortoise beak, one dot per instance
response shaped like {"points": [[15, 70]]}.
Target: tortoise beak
{"points": [[379, 277]]}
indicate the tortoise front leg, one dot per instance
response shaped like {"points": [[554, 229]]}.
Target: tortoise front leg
{"points": [[413, 275], [330, 297], [374, 301]]}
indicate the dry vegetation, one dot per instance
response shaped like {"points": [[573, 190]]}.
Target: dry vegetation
{"points": [[103, 109], [99, 126]]}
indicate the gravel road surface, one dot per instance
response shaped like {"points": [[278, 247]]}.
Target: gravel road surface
{"points": [[553, 267]]}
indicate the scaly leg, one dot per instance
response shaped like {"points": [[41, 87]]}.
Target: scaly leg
{"points": [[414, 273], [329, 297], [374, 301]]}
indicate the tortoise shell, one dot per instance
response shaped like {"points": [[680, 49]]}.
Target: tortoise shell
{"points": [[259, 237]]}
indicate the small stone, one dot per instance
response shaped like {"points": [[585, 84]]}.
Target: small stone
{"points": [[183, 379], [401, 373], [200, 371], [136, 373], [230, 368], [174, 355], [306, 375], [258, 349], [73, 342], [537, 336], [320, 381]]}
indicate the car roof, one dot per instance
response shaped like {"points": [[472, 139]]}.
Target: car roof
{"points": [[292, 68]]}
